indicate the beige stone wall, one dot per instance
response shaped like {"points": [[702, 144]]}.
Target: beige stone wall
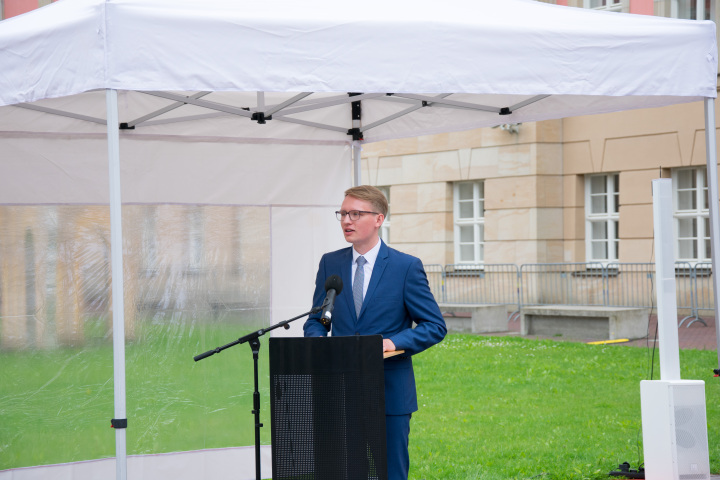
{"points": [[535, 182], [640, 145], [55, 273], [523, 178], [13, 308]]}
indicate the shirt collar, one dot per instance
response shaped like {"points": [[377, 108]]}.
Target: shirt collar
{"points": [[370, 256]]}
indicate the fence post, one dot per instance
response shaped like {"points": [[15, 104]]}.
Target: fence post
{"points": [[442, 284], [605, 285]]}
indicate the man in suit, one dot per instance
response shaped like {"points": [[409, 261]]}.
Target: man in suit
{"points": [[385, 292]]}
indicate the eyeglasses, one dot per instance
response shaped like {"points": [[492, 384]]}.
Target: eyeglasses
{"points": [[354, 214]]}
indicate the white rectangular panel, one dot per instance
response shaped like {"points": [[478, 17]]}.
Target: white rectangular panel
{"points": [[300, 236]]}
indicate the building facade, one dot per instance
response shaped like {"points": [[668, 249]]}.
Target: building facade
{"points": [[570, 190]]}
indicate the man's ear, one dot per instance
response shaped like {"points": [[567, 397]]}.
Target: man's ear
{"points": [[380, 219]]}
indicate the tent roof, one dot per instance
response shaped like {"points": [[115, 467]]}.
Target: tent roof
{"points": [[481, 62]]}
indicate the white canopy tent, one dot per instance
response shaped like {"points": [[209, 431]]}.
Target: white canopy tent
{"points": [[266, 103]]}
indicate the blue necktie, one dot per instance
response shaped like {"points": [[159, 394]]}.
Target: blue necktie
{"points": [[358, 284]]}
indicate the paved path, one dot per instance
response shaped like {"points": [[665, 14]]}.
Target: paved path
{"points": [[697, 335]]}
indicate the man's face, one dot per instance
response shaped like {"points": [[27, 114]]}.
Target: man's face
{"points": [[363, 232]]}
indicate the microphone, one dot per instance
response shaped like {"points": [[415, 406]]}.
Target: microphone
{"points": [[333, 286]]}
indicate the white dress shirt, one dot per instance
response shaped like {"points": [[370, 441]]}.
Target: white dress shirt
{"points": [[370, 256]]}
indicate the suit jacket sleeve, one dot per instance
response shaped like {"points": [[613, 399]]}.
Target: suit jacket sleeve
{"points": [[423, 310], [312, 326]]}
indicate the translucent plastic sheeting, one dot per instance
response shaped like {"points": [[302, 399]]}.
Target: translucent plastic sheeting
{"points": [[196, 277], [237, 463]]}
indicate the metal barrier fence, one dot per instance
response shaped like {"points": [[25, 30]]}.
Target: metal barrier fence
{"points": [[703, 286], [562, 284], [630, 285], [580, 284], [495, 284], [436, 279]]}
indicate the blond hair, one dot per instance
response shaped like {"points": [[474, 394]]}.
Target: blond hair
{"points": [[369, 194]]}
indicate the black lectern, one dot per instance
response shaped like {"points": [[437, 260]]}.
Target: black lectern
{"points": [[327, 407]]}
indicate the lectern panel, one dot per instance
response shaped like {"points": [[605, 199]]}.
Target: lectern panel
{"points": [[328, 408]]}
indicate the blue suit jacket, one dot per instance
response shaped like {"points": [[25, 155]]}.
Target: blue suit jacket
{"points": [[397, 296]]}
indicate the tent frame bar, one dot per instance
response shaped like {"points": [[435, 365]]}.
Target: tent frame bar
{"points": [[331, 103], [357, 163], [189, 118], [201, 103], [527, 102], [712, 179], [261, 112], [402, 113], [454, 103], [392, 117], [167, 109], [311, 124], [249, 113], [324, 100], [292, 101], [61, 113]]}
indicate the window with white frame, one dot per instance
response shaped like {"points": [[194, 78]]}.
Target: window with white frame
{"points": [[692, 218], [692, 9], [469, 215], [385, 229], [610, 5], [602, 219]]}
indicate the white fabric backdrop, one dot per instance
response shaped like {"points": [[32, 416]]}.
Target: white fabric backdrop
{"points": [[300, 237], [51, 170]]}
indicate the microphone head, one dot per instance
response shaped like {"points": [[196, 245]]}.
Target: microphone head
{"points": [[334, 283]]}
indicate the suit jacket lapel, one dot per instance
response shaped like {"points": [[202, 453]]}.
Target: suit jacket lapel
{"points": [[346, 275], [377, 271]]}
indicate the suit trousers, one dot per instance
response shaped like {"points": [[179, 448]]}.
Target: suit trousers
{"points": [[397, 430]]}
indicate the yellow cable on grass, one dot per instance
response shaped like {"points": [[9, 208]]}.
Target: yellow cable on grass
{"points": [[605, 342]]}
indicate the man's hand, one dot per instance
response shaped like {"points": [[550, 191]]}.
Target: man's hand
{"points": [[388, 345]]}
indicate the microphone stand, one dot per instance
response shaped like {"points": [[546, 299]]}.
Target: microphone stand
{"points": [[253, 339]]}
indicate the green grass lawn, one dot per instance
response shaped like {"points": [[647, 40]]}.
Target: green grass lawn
{"points": [[56, 406], [490, 408], [502, 408]]}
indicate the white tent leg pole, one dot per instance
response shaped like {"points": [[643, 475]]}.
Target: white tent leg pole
{"points": [[712, 178], [357, 164], [118, 303]]}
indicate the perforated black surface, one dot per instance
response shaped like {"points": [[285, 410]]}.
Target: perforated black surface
{"points": [[327, 408]]}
